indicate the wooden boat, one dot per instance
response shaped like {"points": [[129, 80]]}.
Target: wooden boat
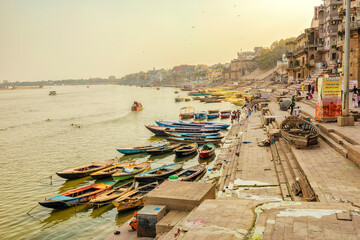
{"points": [[187, 99], [160, 131], [299, 132], [107, 172], [176, 92], [132, 171], [212, 115], [187, 112], [136, 106], [213, 111], [179, 99], [189, 174], [194, 136], [52, 93], [196, 98], [142, 149], [158, 88], [206, 150], [86, 170], [197, 140], [167, 149], [186, 150], [203, 123], [134, 198], [200, 115], [108, 197], [187, 125], [212, 100], [225, 114], [77, 196], [175, 134], [159, 173]]}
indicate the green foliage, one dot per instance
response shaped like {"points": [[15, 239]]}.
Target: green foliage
{"points": [[269, 56]]}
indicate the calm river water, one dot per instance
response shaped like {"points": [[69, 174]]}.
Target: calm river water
{"points": [[32, 149]]}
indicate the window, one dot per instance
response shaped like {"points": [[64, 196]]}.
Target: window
{"points": [[333, 56]]}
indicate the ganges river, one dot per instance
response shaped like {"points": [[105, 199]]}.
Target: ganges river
{"points": [[40, 135]]}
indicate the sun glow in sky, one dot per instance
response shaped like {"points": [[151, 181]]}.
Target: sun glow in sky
{"points": [[72, 39]]}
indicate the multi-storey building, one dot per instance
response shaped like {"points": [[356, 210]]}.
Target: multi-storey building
{"points": [[354, 66], [328, 31], [317, 47], [301, 56]]}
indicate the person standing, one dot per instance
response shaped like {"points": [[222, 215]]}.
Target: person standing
{"points": [[292, 108], [355, 100], [309, 88], [297, 111], [312, 89], [303, 88]]}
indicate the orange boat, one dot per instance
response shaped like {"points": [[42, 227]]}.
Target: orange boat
{"points": [[136, 106]]}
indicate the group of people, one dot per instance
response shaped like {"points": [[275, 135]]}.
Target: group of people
{"points": [[235, 115], [356, 97]]}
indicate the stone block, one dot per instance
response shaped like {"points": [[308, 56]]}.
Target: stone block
{"points": [[147, 218], [345, 121], [180, 195]]}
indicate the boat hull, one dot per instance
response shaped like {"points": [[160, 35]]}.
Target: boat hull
{"points": [[160, 131], [129, 151], [131, 205]]}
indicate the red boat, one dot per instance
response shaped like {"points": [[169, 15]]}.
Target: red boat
{"points": [[225, 114], [206, 150]]}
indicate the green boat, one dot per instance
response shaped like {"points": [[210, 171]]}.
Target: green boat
{"points": [[131, 171]]}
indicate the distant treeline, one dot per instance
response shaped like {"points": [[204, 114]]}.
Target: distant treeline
{"points": [[270, 56], [93, 81]]}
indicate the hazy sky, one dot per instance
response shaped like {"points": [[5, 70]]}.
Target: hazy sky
{"points": [[62, 39]]}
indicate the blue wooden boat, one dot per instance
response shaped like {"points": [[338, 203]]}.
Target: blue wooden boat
{"points": [[186, 125], [52, 93], [160, 131], [135, 150], [159, 173], [198, 140], [194, 137], [200, 115], [192, 134], [213, 115], [210, 124], [77, 196]]}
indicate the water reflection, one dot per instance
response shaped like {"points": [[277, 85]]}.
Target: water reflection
{"points": [[98, 211], [186, 158], [61, 215], [125, 158], [75, 183]]}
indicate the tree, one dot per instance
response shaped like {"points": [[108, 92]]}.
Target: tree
{"points": [[269, 56]]}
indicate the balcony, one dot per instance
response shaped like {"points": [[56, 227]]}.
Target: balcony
{"points": [[353, 26]]}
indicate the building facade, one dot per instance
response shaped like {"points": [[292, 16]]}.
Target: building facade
{"points": [[354, 66]]}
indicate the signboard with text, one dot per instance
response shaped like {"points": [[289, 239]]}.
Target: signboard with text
{"points": [[329, 98]]}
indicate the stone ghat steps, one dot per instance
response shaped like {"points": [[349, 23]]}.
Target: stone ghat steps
{"points": [[285, 164]]}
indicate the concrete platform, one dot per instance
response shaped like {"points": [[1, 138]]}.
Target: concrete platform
{"points": [[216, 219], [300, 220], [181, 196]]}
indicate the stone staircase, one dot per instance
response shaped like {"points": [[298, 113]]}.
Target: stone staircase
{"points": [[311, 80]]}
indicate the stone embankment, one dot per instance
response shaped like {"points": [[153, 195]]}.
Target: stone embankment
{"points": [[278, 191]]}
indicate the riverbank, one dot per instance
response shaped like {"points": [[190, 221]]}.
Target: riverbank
{"points": [[280, 191]]}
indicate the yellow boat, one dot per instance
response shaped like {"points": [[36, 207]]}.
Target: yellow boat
{"points": [[135, 198]]}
